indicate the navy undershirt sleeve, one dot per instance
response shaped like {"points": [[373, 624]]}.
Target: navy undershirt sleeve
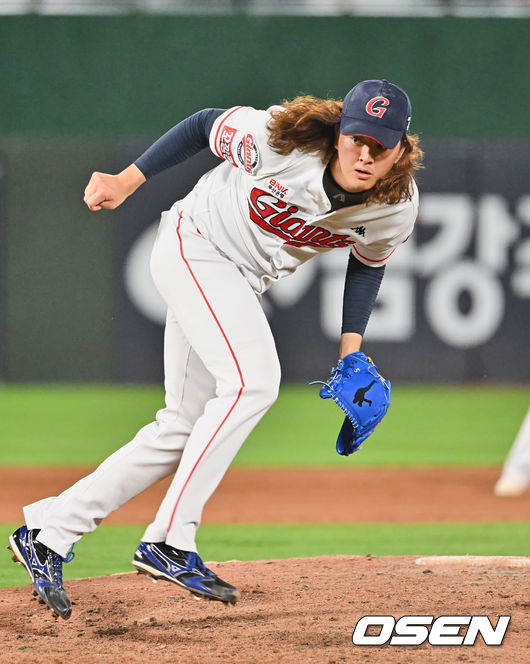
{"points": [[181, 142], [360, 291]]}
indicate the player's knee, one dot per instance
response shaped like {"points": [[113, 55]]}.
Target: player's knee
{"points": [[264, 387], [274, 384], [266, 394], [169, 435]]}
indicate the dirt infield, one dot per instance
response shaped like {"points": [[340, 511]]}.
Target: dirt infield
{"points": [[294, 611], [303, 496]]}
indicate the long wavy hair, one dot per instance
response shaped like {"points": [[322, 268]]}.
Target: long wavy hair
{"points": [[311, 125]]}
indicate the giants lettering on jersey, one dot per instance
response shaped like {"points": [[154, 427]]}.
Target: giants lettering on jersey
{"points": [[225, 144], [275, 216], [247, 153]]}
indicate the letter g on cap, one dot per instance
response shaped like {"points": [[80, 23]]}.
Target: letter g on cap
{"points": [[376, 106]]}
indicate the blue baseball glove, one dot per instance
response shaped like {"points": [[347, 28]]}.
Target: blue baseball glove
{"points": [[362, 393]]}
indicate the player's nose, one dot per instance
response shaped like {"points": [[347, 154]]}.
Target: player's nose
{"points": [[365, 154]]}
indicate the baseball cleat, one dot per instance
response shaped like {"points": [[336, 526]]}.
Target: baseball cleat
{"points": [[185, 568], [45, 568]]}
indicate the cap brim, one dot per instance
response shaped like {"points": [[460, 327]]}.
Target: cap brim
{"points": [[388, 138]]}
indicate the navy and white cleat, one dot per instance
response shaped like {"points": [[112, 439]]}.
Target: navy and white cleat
{"points": [[185, 568], [44, 567]]}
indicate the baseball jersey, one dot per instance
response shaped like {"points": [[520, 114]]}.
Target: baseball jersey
{"points": [[269, 213]]}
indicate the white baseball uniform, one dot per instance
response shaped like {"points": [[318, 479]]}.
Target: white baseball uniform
{"points": [[515, 476], [248, 222]]}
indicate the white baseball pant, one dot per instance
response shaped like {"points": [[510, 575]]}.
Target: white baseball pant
{"points": [[515, 477], [221, 375]]}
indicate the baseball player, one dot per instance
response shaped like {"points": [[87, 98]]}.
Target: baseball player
{"points": [[515, 476], [296, 180]]}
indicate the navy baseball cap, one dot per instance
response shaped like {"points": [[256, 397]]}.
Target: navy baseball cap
{"points": [[377, 109]]}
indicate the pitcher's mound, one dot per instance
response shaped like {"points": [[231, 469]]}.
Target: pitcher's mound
{"points": [[295, 611]]}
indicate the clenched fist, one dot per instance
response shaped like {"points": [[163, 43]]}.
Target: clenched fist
{"points": [[105, 191]]}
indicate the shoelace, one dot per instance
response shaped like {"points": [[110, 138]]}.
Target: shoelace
{"points": [[57, 564], [195, 562]]}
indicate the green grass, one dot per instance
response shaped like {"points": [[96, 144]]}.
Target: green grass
{"points": [[425, 426], [47, 425], [110, 548]]}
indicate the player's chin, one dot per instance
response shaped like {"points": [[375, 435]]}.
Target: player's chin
{"points": [[357, 185]]}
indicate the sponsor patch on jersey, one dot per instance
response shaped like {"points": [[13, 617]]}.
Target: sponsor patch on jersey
{"points": [[277, 188], [225, 144], [360, 230], [247, 153], [278, 217]]}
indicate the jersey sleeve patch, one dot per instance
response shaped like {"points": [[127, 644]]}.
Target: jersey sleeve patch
{"points": [[222, 136], [248, 153], [224, 144], [240, 135]]}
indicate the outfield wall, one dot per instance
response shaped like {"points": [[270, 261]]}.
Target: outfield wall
{"points": [[123, 76], [83, 94]]}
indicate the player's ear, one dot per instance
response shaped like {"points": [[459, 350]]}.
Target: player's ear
{"points": [[401, 152]]}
